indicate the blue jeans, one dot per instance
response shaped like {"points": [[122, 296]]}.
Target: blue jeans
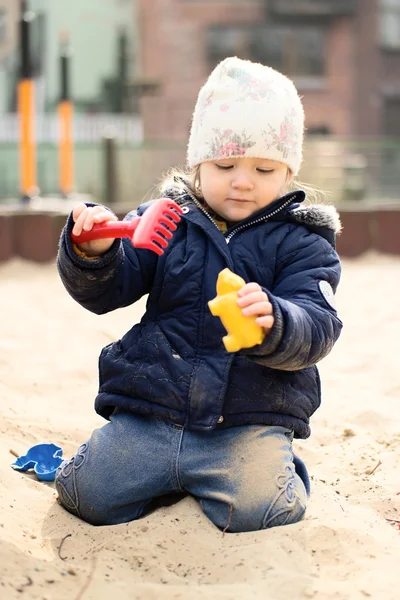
{"points": [[244, 477]]}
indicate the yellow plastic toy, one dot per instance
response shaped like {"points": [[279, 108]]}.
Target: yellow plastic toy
{"points": [[243, 332]]}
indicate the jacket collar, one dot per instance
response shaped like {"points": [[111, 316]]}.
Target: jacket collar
{"points": [[197, 214], [286, 202]]}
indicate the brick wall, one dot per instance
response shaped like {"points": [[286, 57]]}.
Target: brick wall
{"points": [[172, 52]]}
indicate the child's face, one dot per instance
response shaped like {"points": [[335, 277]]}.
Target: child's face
{"points": [[238, 187]]}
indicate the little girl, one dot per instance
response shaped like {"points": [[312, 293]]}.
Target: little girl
{"points": [[184, 415]]}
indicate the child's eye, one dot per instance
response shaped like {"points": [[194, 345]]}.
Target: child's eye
{"points": [[265, 170], [224, 167]]}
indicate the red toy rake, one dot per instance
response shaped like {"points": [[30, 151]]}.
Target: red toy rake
{"points": [[151, 231]]}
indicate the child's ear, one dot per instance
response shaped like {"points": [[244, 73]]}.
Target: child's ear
{"points": [[289, 177]]}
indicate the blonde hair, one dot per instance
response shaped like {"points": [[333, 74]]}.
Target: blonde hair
{"points": [[314, 194], [181, 180]]}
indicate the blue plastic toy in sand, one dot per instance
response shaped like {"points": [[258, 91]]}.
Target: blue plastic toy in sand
{"points": [[44, 459]]}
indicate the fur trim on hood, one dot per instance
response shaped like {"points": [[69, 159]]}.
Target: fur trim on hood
{"points": [[318, 215]]}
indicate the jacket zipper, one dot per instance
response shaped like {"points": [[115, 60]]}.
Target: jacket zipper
{"points": [[244, 226], [197, 203], [260, 219]]}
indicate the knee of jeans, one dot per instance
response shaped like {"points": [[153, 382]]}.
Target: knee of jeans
{"points": [[66, 486], [232, 517], [283, 503], [77, 491], [288, 504]]}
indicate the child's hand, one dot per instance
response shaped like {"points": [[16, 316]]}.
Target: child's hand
{"points": [[85, 217], [254, 302]]}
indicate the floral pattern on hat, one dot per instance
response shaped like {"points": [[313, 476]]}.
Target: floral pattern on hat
{"points": [[250, 87], [247, 109], [204, 103], [286, 141], [228, 143]]}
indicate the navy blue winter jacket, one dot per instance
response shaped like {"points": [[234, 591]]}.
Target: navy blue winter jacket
{"points": [[173, 363]]}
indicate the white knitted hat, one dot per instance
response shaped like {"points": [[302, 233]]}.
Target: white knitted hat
{"points": [[247, 109]]}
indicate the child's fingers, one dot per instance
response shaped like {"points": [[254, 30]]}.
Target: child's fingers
{"points": [[266, 322], [248, 288], [89, 216], [79, 222], [258, 309], [77, 211], [98, 216], [104, 215], [252, 298]]}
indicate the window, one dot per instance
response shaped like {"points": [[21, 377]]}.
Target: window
{"points": [[3, 24], [296, 51], [390, 24], [226, 41], [312, 8], [391, 119]]}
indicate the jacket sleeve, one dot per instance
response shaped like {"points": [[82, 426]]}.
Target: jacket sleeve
{"points": [[306, 325], [118, 278]]}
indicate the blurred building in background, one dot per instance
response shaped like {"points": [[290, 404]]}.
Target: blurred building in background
{"points": [[343, 55], [9, 14], [137, 67], [102, 36]]}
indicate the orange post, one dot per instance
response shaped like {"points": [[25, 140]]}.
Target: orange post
{"points": [[65, 118], [66, 147], [25, 95], [27, 138]]}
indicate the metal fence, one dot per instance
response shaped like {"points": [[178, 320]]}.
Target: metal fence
{"points": [[87, 128], [359, 169], [363, 170]]}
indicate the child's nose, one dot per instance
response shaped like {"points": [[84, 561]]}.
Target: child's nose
{"points": [[242, 181]]}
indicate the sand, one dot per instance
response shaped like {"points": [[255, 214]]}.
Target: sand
{"points": [[347, 547]]}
